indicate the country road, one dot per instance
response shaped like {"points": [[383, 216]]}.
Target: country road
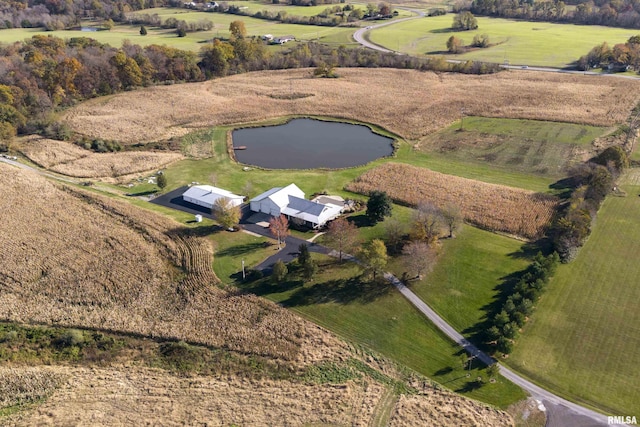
{"points": [[359, 35]]}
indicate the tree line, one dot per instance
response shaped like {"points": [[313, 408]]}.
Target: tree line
{"points": [[611, 13]]}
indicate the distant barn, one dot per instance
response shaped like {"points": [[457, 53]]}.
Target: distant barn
{"points": [[206, 196]]}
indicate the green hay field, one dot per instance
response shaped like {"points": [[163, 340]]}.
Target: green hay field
{"points": [[518, 42], [529, 146], [583, 340]]}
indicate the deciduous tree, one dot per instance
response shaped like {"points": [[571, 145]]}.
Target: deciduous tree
{"points": [[426, 223], [237, 29], [343, 235], [394, 234], [225, 212], [418, 258], [374, 257], [452, 217], [464, 21], [454, 44], [279, 227]]}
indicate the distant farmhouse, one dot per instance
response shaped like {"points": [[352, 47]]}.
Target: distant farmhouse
{"points": [[206, 196], [290, 202], [282, 40]]}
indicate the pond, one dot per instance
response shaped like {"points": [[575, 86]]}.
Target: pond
{"points": [[309, 144]]}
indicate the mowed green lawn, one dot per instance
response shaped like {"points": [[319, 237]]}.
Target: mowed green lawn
{"points": [[469, 269], [380, 318], [193, 41], [519, 42], [584, 338], [529, 146]]}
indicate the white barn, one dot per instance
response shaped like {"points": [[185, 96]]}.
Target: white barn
{"points": [[206, 196], [290, 201]]}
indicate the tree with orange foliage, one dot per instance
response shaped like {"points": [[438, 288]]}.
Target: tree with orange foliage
{"points": [[279, 227]]}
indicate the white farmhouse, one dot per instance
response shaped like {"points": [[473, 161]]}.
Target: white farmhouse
{"points": [[290, 202], [206, 196]]}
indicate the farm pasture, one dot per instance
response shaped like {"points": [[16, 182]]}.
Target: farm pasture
{"points": [[192, 41], [253, 97], [518, 42], [493, 207]]}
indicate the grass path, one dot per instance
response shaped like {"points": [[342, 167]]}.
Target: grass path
{"points": [[384, 408]]}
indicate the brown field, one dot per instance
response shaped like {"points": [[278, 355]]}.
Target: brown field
{"points": [[409, 103], [490, 206], [69, 159], [139, 396], [76, 259]]}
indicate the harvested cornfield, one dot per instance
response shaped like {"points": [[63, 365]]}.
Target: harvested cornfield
{"points": [[72, 258], [490, 206], [141, 396], [410, 103], [69, 159]]}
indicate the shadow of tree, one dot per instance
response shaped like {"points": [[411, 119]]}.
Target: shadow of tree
{"points": [[564, 187], [142, 193], [443, 371], [478, 333], [443, 30], [242, 249], [360, 221], [341, 291], [265, 286], [470, 386]]}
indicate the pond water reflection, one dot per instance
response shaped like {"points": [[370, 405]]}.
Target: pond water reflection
{"points": [[310, 143]]}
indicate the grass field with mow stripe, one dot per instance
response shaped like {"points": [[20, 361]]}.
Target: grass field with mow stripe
{"points": [[584, 337], [530, 146], [379, 317]]}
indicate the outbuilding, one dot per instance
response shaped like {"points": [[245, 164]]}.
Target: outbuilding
{"points": [[206, 196]]}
